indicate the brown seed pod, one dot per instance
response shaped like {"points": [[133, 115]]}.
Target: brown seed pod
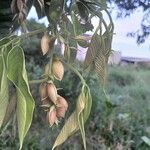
{"points": [[43, 90], [58, 69], [60, 112], [46, 103], [51, 115], [52, 92], [61, 102], [45, 43]]}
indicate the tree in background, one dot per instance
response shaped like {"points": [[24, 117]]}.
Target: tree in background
{"points": [[128, 7]]}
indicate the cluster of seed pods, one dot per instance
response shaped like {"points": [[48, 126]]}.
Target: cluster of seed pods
{"points": [[54, 104]]}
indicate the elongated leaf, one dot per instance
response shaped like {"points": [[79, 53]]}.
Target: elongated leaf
{"points": [[25, 103], [88, 104], [92, 50], [68, 129], [79, 109], [100, 68], [4, 97], [78, 118], [76, 25]]}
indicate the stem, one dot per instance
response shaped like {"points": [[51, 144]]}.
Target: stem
{"points": [[38, 81], [76, 72], [110, 18], [33, 33]]}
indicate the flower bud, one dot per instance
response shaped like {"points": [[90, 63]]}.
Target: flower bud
{"points": [[61, 102], [43, 90], [52, 92], [45, 43], [58, 69], [51, 116]]}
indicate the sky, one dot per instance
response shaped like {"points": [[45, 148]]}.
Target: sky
{"points": [[126, 45]]}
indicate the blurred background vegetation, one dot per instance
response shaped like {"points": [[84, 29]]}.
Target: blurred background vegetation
{"points": [[122, 125]]}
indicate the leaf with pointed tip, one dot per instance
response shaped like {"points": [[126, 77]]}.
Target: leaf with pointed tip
{"points": [[68, 129], [77, 119], [25, 103]]}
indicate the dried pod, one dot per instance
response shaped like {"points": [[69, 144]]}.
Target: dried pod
{"points": [[51, 116], [61, 102], [43, 90], [46, 103], [60, 111], [58, 69], [45, 43], [52, 92]]}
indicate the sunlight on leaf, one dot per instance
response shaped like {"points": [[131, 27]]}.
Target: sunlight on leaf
{"points": [[25, 103]]}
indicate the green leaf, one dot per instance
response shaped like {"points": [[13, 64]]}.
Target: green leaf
{"points": [[94, 46], [100, 68], [4, 96], [78, 118], [68, 129], [55, 11], [79, 108], [88, 104], [76, 25], [25, 103]]}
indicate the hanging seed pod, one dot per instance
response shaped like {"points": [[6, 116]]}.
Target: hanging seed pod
{"points": [[61, 102], [46, 103], [51, 116], [58, 69], [60, 112], [45, 43], [52, 92], [43, 90]]}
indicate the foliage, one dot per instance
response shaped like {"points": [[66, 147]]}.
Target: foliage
{"points": [[67, 25]]}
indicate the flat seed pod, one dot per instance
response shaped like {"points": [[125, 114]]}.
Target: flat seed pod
{"points": [[43, 91], [45, 43], [58, 69], [60, 112], [61, 102], [52, 92], [51, 116]]}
